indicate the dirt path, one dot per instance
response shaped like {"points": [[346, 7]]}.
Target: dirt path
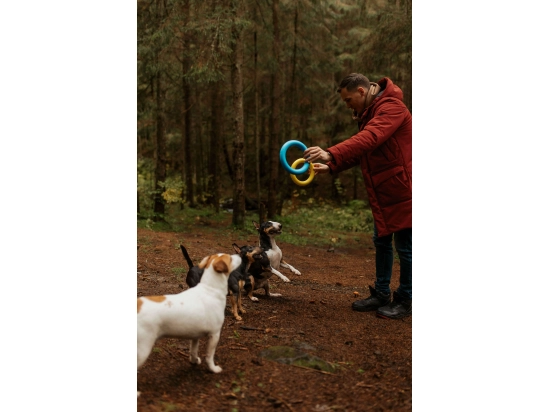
{"points": [[372, 356]]}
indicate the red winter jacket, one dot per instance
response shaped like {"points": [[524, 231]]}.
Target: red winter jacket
{"points": [[383, 148]]}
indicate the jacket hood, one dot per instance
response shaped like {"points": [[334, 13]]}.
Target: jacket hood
{"points": [[383, 85], [389, 89]]}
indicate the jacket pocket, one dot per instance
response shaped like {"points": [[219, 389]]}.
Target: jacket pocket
{"points": [[392, 186]]}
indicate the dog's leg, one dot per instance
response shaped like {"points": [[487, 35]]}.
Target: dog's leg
{"points": [[145, 343], [283, 277], [251, 291], [240, 296], [234, 307], [287, 266], [210, 350], [194, 351], [268, 293]]}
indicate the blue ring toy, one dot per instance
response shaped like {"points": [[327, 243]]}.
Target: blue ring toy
{"points": [[282, 157]]}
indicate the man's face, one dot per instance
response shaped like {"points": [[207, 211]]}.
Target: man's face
{"points": [[355, 99]]}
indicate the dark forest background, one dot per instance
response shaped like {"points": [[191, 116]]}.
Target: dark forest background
{"points": [[223, 84]]}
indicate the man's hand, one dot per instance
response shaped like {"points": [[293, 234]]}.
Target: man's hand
{"points": [[314, 153], [320, 168]]}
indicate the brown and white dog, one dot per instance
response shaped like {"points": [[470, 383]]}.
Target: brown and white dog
{"points": [[237, 277], [191, 314]]}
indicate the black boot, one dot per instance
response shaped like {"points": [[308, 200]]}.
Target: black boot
{"points": [[373, 302], [399, 308]]}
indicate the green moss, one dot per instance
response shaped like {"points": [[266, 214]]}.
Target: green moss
{"points": [[291, 356]]}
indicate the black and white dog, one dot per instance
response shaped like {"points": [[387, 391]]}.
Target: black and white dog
{"points": [[268, 230]]}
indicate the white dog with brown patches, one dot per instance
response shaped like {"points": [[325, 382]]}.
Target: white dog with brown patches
{"points": [[191, 314]]}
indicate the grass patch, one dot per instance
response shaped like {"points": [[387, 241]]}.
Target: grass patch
{"points": [[178, 273], [318, 224], [176, 219], [291, 356], [327, 224], [169, 407]]}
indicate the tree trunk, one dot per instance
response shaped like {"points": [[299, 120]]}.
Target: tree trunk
{"points": [[286, 186], [227, 160], [293, 92], [215, 138], [238, 124], [160, 155], [275, 114], [189, 144], [264, 165], [187, 107], [198, 147], [257, 121], [181, 152]]}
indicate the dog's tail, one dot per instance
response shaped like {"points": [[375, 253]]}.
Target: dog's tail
{"points": [[186, 256]]}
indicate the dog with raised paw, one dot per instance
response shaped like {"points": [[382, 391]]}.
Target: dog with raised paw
{"points": [[258, 277], [192, 314], [268, 230]]}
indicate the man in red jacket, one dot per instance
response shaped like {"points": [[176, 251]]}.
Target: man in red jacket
{"points": [[383, 149]]}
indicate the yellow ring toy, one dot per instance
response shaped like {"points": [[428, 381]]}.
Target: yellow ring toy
{"points": [[306, 182]]}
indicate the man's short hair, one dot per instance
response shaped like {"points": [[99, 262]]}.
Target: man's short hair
{"points": [[353, 81]]}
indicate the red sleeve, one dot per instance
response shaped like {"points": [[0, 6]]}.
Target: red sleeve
{"points": [[385, 122]]}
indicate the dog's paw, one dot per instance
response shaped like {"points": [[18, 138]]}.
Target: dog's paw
{"points": [[296, 272], [195, 361], [216, 369], [285, 279], [254, 299], [238, 318], [275, 295]]}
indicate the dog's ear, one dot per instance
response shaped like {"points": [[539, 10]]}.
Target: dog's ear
{"points": [[256, 225], [205, 262], [221, 264], [236, 248]]}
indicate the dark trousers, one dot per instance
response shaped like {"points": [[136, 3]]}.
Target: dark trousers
{"points": [[384, 261]]}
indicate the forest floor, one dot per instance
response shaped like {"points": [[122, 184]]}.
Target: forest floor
{"points": [[367, 360]]}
